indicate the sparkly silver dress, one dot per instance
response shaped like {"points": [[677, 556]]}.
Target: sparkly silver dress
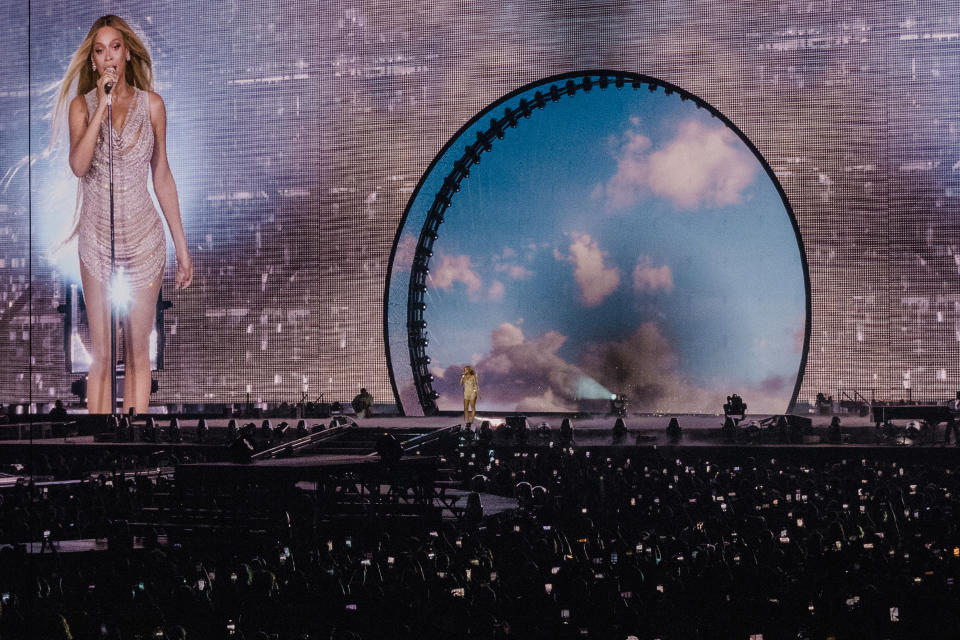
{"points": [[139, 237]]}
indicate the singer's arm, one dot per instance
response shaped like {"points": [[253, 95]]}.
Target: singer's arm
{"points": [[166, 189], [83, 134], [84, 129]]}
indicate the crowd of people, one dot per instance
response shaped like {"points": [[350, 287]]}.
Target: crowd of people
{"points": [[633, 545]]}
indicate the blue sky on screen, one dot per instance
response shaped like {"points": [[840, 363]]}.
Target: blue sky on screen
{"points": [[615, 241]]}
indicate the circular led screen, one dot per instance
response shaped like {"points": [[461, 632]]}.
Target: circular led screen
{"points": [[592, 235]]}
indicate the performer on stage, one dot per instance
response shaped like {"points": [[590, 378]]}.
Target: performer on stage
{"points": [[471, 391], [112, 54]]}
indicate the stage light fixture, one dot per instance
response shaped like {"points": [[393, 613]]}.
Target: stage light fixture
{"points": [[123, 429], [473, 153], [175, 434], [281, 430], [463, 167], [673, 430], [618, 404], [149, 432], [484, 140], [241, 449], [587, 84], [451, 184], [202, 430]]}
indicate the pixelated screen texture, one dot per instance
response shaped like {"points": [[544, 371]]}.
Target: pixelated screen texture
{"points": [[298, 131]]}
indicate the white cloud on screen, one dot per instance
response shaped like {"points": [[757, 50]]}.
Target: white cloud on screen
{"points": [[450, 269], [514, 271], [702, 166], [596, 280], [406, 249], [622, 190], [529, 374], [519, 374], [650, 278]]}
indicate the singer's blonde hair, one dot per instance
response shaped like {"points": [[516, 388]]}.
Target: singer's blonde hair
{"points": [[80, 78], [139, 69]]}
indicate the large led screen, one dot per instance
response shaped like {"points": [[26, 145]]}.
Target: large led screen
{"points": [[607, 235], [298, 131]]}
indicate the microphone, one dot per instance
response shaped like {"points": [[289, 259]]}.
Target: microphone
{"points": [[109, 86]]}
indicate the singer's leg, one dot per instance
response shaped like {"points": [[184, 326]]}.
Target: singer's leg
{"points": [[471, 405], [97, 301], [138, 324]]}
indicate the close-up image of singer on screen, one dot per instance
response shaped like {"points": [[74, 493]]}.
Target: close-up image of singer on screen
{"points": [[123, 250]]}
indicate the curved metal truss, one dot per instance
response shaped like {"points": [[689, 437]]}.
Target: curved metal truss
{"points": [[559, 86]]}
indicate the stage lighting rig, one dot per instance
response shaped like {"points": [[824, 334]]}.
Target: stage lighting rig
{"points": [[618, 405], [735, 406]]}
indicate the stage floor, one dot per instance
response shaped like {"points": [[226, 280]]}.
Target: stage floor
{"points": [[591, 430]]}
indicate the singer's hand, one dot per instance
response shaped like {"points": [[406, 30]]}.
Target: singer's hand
{"points": [[109, 76], [184, 271]]}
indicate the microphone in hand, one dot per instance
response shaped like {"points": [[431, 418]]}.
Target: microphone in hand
{"points": [[109, 85]]}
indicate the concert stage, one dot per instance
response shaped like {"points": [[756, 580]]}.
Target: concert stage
{"points": [[593, 429], [213, 492], [698, 431]]}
